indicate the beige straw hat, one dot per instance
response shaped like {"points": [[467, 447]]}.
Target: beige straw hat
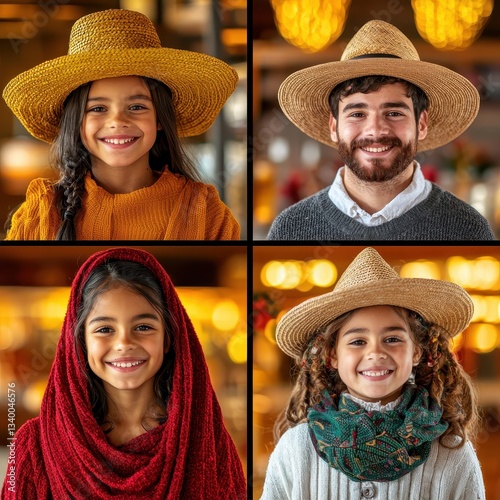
{"points": [[379, 48], [114, 43], [370, 281]]}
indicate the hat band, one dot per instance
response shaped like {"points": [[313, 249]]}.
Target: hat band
{"points": [[369, 56]]}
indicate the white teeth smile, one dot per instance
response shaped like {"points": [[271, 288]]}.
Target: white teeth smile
{"points": [[118, 141], [377, 150], [376, 374], [127, 365]]}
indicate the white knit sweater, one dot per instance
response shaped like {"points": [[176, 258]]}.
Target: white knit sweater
{"points": [[296, 472]]}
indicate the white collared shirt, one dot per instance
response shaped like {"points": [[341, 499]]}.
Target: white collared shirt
{"points": [[375, 406], [418, 190]]}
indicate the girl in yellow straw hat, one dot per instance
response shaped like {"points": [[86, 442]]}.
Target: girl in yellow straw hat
{"points": [[380, 407], [114, 109]]}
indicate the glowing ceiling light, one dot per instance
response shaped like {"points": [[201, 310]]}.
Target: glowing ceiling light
{"points": [[311, 25], [451, 24]]}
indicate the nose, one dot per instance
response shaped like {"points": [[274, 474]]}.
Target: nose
{"points": [[376, 125], [117, 118], [376, 351], [123, 342]]}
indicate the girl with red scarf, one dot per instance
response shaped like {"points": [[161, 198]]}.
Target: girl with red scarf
{"points": [[129, 410]]}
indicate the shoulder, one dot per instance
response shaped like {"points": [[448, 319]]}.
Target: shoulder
{"points": [[294, 450], [25, 475], [469, 223], [456, 469], [40, 187], [449, 200], [449, 450], [28, 434], [40, 193], [176, 183], [306, 205], [295, 221], [297, 435]]}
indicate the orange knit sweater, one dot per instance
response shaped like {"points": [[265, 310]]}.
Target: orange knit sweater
{"points": [[173, 208]]}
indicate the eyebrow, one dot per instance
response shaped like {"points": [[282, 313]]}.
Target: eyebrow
{"points": [[387, 329], [138, 317], [386, 105], [136, 97]]}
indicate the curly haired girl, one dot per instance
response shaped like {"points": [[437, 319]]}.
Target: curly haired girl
{"points": [[380, 407]]}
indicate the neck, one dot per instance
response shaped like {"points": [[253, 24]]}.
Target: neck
{"points": [[374, 196], [123, 180], [129, 409]]}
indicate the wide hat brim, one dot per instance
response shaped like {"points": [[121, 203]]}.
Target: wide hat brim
{"points": [[200, 85], [441, 302], [453, 100]]}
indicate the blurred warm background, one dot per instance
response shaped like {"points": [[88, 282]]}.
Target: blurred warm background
{"points": [[34, 290], [286, 276], [463, 35], [34, 31]]}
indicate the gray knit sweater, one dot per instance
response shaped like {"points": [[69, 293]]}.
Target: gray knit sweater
{"points": [[441, 217], [296, 472]]}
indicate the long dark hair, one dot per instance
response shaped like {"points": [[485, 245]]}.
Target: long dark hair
{"points": [[140, 280], [71, 158]]}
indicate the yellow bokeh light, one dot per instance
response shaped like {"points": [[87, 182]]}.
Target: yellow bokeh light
{"points": [[273, 274], [322, 272], [225, 315], [451, 24], [457, 342], [6, 338], [294, 275], [482, 337], [421, 269], [460, 271], [33, 394], [237, 348], [486, 271], [482, 273], [311, 25], [492, 309], [270, 331], [480, 308], [305, 286]]}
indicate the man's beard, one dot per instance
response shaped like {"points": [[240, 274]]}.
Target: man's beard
{"points": [[378, 172]]}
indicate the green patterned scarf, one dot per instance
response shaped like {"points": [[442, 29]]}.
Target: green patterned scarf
{"points": [[374, 445]]}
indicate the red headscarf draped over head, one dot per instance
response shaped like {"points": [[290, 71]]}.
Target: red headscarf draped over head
{"points": [[63, 453]]}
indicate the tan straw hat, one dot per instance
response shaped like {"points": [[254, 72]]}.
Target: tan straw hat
{"points": [[114, 43], [370, 281], [379, 48]]}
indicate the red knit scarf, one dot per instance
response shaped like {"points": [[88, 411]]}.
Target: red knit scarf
{"points": [[63, 453]]}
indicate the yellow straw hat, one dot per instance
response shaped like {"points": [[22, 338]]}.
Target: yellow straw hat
{"points": [[379, 48], [370, 281], [114, 43]]}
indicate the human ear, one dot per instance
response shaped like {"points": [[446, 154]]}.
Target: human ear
{"points": [[159, 127], [334, 362], [417, 354], [332, 123], [422, 126]]}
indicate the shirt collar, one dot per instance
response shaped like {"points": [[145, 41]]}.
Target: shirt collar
{"points": [[418, 190]]}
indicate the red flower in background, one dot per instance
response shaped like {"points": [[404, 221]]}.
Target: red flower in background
{"points": [[263, 310]]}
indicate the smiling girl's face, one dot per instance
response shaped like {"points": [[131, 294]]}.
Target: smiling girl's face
{"points": [[124, 336], [375, 354], [119, 124]]}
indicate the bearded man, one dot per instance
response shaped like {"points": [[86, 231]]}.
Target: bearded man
{"points": [[379, 106]]}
